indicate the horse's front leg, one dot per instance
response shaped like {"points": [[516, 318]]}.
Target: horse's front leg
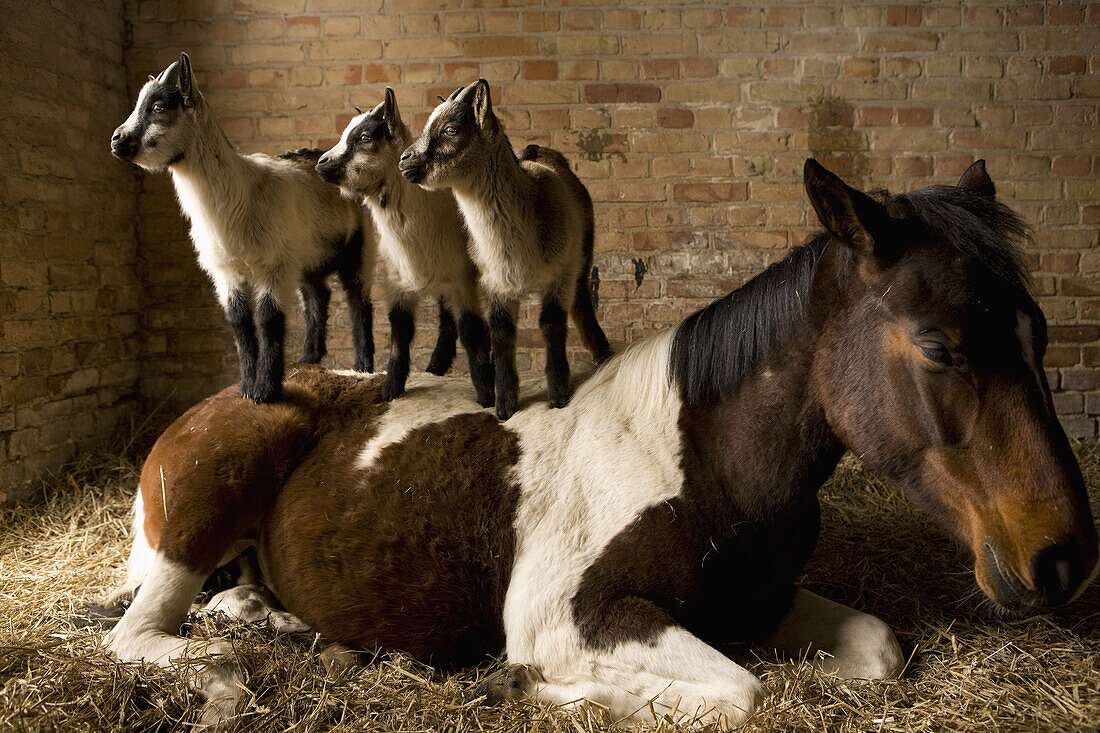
{"points": [[638, 664], [857, 644]]}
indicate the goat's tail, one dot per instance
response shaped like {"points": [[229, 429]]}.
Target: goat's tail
{"points": [[584, 309]]}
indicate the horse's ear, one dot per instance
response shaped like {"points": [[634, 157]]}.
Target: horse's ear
{"points": [[977, 180], [851, 216], [390, 111]]}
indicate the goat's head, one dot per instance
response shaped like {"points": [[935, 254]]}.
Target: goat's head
{"points": [[459, 138], [367, 152], [160, 130]]}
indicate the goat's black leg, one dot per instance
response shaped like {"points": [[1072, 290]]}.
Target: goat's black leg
{"points": [[271, 329], [552, 323], [475, 339], [315, 298], [239, 313], [502, 335], [443, 355], [402, 326], [359, 306]]}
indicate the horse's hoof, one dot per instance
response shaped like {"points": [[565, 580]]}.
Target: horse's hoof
{"points": [[97, 616], [510, 683], [338, 658]]}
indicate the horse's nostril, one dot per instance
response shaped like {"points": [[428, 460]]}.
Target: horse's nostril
{"points": [[1058, 571]]}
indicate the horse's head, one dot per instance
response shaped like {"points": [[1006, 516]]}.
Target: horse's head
{"points": [[930, 370]]}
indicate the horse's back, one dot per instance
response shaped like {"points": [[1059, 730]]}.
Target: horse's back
{"points": [[397, 532]]}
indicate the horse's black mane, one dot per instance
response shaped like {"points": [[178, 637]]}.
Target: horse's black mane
{"points": [[979, 228], [716, 347]]}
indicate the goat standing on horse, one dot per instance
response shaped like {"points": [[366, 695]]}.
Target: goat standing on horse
{"points": [[423, 243], [531, 225], [264, 228]]}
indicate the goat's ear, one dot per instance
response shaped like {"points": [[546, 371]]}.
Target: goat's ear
{"points": [[482, 104], [977, 180], [851, 216], [187, 80], [390, 112]]}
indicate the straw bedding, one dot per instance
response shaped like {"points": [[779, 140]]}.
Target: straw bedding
{"points": [[967, 671]]}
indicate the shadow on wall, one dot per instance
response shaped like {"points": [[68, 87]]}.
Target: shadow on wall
{"points": [[835, 142]]}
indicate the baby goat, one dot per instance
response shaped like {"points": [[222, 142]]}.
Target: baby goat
{"points": [[263, 227], [530, 222], [422, 242]]}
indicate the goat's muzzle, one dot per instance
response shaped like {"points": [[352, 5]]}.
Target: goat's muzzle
{"points": [[329, 169], [123, 146], [412, 167]]}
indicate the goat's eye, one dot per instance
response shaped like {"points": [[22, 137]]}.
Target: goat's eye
{"points": [[936, 353], [158, 108], [450, 130], [365, 137]]}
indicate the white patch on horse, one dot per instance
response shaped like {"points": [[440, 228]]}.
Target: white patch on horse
{"points": [[428, 399], [139, 561], [597, 484]]}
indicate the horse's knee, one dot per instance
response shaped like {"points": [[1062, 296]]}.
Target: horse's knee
{"points": [[867, 650]]}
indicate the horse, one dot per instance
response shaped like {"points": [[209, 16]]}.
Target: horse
{"points": [[614, 547]]}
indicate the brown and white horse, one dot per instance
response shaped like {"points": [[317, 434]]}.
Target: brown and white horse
{"points": [[612, 547]]}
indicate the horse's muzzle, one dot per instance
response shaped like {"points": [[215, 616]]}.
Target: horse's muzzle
{"points": [[1058, 574]]}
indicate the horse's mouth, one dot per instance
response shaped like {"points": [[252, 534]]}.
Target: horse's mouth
{"points": [[1008, 597]]}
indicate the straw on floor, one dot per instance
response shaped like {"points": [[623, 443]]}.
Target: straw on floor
{"points": [[967, 669]]}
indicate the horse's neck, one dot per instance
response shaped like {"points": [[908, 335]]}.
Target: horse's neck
{"points": [[766, 444]]}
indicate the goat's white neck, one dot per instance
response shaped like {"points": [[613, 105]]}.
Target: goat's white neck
{"points": [[499, 197], [210, 172]]}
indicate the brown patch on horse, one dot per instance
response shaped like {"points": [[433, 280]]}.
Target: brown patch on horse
{"points": [[215, 470], [413, 552]]}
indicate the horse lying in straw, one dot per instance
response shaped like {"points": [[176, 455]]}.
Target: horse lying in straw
{"points": [[614, 547]]}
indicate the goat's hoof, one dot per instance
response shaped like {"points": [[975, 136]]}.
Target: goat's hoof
{"points": [[505, 410], [392, 390], [311, 357], [510, 683], [559, 401], [486, 399], [365, 365], [438, 367]]}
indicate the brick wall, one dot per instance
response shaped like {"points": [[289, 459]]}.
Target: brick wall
{"points": [[69, 344], [689, 123]]}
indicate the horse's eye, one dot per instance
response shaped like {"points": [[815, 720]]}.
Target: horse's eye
{"points": [[936, 353], [450, 130]]}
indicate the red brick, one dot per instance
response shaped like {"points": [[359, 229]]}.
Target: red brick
{"points": [[612, 93]]}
